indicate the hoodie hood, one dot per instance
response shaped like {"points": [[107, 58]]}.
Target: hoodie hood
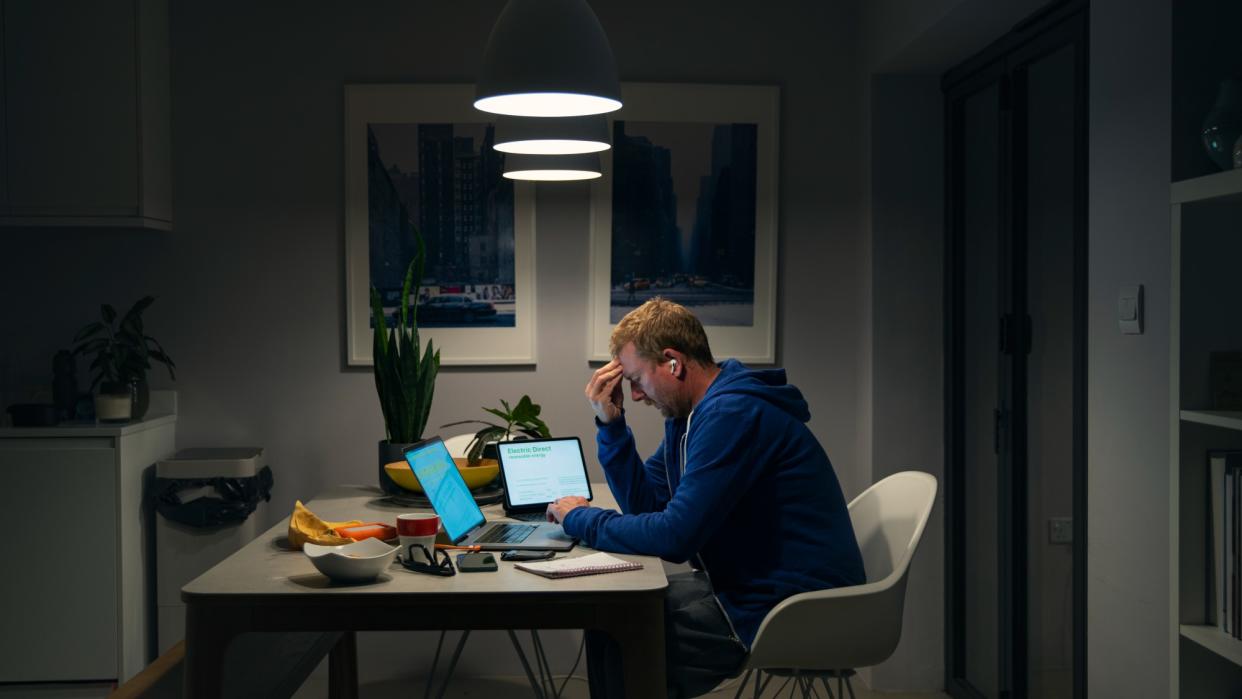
{"points": [[768, 385]]}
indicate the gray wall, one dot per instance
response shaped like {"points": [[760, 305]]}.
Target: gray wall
{"points": [[907, 346], [909, 46], [1128, 620], [250, 282]]}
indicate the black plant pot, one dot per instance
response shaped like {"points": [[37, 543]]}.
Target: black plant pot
{"points": [[490, 451], [388, 453], [142, 398]]}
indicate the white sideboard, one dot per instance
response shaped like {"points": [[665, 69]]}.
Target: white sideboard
{"points": [[75, 588]]}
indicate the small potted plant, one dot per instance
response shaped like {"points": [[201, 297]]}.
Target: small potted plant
{"points": [[522, 419], [122, 353], [405, 383]]}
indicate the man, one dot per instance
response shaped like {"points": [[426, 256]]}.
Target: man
{"points": [[739, 487]]}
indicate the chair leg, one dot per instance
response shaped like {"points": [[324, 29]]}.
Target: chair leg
{"points": [[849, 687], [760, 686], [742, 685], [827, 687]]}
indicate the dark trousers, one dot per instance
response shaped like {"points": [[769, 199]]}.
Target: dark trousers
{"points": [[699, 647]]}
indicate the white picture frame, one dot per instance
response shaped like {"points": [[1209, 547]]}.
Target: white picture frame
{"points": [[706, 104], [458, 346]]}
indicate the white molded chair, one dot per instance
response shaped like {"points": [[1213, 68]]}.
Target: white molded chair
{"points": [[828, 633]]}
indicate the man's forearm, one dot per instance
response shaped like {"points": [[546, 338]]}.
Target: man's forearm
{"points": [[625, 470]]}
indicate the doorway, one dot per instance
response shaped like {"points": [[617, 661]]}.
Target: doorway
{"points": [[1016, 261]]}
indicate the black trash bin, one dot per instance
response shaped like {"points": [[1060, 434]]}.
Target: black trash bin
{"points": [[208, 503]]}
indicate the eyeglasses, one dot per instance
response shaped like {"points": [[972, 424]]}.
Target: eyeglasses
{"points": [[440, 562]]}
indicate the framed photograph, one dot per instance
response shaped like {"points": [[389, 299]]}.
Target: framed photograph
{"points": [[421, 157], [686, 210]]}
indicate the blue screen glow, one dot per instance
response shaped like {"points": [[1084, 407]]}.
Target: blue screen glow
{"points": [[445, 488]]}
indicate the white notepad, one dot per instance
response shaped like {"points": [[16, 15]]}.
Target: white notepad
{"points": [[592, 564]]}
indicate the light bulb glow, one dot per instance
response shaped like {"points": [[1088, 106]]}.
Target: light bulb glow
{"points": [[547, 104], [552, 175], [551, 146]]}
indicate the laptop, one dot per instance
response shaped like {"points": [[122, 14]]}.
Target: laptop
{"points": [[463, 521], [537, 471]]}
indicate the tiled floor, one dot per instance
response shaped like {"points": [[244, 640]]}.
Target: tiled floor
{"points": [[461, 688], [497, 687]]}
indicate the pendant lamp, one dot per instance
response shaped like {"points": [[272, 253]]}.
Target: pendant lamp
{"points": [[552, 168], [552, 135], [548, 58]]}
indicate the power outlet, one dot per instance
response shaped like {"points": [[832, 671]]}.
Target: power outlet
{"points": [[1060, 530]]}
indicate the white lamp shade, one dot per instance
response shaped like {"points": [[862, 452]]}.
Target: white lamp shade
{"points": [[548, 58], [552, 135], [552, 168]]}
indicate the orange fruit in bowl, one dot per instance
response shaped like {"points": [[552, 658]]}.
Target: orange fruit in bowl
{"points": [[475, 476]]}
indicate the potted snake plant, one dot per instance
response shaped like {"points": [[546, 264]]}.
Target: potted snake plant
{"points": [[405, 383]]}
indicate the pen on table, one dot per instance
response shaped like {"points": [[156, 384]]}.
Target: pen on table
{"points": [[451, 547]]}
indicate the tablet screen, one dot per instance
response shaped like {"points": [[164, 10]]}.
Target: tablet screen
{"points": [[540, 471]]}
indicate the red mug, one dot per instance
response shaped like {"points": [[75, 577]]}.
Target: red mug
{"points": [[418, 528], [418, 524]]}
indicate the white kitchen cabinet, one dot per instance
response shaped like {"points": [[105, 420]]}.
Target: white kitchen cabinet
{"points": [[76, 585], [86, 114]]}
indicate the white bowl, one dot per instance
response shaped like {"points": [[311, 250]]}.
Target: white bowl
{"points": [[356, 562]]}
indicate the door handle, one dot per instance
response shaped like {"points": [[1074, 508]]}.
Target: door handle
{"points": [[996, 430]]}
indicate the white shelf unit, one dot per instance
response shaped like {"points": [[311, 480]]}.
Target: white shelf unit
{"points": [[1205, 317], [82, 584], [1229, 419], [1215, 640]]}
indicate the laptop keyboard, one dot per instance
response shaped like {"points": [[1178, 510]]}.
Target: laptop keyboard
{"points": [[528, 516], [506, 534]]}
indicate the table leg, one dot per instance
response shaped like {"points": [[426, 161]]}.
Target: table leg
{"points": [[343, 667], [208, 632], [640, 633]]}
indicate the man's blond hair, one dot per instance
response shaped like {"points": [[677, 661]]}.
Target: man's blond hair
{"points": [[660, 324]]}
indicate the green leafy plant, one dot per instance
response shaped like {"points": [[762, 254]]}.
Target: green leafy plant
{"points": [[522, 419], [122, 352], [405, 383]]}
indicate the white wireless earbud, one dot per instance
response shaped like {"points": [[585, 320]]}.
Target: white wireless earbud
{"points": [[672, 366]]}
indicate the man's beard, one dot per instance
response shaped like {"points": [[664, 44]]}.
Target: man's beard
{"points": [[669, 412]]}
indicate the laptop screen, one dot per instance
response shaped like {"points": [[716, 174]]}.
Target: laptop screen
{"points": [[538, 471], [446, 490]]}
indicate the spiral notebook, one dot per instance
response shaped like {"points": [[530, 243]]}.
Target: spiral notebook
{"points": [[592, 564]]}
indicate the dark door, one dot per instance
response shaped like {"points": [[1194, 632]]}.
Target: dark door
{"points": [[1016, 281]]}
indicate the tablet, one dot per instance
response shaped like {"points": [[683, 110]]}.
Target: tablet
{"points": [[536, 472]]}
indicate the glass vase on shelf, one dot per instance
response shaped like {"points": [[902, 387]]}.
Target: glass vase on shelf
{"points": [[1222, 127]]}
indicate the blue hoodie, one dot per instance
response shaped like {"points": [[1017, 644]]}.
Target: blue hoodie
{"points": [[756, 502]]}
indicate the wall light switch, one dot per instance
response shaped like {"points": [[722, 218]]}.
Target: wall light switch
{"points": [[1130, 310], [1060, 530]]}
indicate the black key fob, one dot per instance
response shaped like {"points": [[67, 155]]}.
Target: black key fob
{"points": [[476, 562]]}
